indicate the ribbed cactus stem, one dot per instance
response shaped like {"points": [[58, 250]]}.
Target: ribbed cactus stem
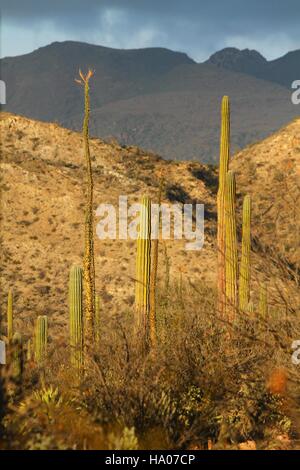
{"points": [[76, 316], [10, 328], [97, 319], [263, 301], [244, 279], [231, 249], [41, 339], [153, 275], [143, 265], [223, 169]]}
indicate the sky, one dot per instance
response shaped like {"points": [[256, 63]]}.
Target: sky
{"points": [[197, 27]]}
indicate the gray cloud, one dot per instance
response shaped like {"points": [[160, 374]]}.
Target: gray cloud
{"points": [[198, 27]]}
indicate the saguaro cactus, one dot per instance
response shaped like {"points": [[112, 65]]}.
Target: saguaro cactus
{"points": [[89, 262], [223, 169], [231, 249], [244, 280], [10, 328], [143, 265], [76, 316], [153, 274], [41, 339]]}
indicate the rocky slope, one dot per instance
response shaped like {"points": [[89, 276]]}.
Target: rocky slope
{"points": [[42, 212], [270, 172]]}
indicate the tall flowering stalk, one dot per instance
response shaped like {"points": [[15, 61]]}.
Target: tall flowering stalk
{"points": [[88, 262]]}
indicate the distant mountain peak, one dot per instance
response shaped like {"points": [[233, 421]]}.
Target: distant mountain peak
{"points": [[231, 57]]}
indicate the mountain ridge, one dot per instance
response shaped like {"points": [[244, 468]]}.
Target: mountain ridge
{"points": [[154, 98], [282, 70]]}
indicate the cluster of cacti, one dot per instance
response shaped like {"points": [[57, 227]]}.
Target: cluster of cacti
{"points": [[143, 267], [233, 280], [41, 339], [76, 316]]}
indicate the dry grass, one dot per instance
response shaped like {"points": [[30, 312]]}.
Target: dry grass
{"points": [[198, 386]]}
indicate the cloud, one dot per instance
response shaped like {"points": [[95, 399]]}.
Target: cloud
{"points": [[197, 27]]}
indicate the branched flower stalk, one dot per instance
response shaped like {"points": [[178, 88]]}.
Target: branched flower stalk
{"points": [[88, 262]]}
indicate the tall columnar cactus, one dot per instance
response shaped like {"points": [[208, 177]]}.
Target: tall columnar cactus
{"points": [[97, 319], [244, 279], [153, 274], [143, 266], [263, 301], [10, 328], [89, 262], [76, 316], [223, 169], [41, 339], [17, 357], [231, 249]]}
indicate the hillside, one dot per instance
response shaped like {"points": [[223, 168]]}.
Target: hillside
{"points": [[156, 99], [42, 212], [270, 172], [202, 366]]}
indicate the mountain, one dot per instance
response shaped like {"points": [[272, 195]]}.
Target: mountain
{"points": [[42, 86], [283, 70], [42, 213], [245, 61], [154, 98]]}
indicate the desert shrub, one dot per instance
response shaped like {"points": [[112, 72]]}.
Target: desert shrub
{"points": [[200, 384]]}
